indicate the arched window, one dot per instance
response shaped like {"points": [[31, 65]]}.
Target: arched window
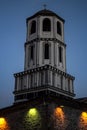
{"points": [[59, 28], [46, 51], [32, 53], [33, 27], [46, 24], [60, 54]]}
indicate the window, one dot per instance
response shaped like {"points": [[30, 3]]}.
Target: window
{"points": [[61, 80], [31, 81], [42, 78], [60, 54], [46, 77], [21, 82], [59, 28], [53, 79], [46, 24], [33, 27], [32, 51], [46, 54]]}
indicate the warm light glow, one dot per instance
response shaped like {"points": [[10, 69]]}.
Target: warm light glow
{"points": [[32, 119], [83, 120], [59, 116], [59, 111], [84, 115], [2, 121], [3, 124]]}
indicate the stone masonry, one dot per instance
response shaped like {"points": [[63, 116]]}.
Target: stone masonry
{"points": [[46, 114]]}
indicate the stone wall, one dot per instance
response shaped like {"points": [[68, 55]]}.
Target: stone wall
{"points": [[44, 115]]}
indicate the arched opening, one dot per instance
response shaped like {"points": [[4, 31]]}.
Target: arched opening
{"points": [[46, 24], [32, 53], [46, 52], [59, 28], [60, 54], [33, 27]]}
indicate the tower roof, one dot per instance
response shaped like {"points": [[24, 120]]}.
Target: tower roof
{"points": [[45, 12]]}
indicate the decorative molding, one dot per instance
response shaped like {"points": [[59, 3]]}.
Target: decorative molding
{"points": [[46, 67], [46, 40], [50, 88]]}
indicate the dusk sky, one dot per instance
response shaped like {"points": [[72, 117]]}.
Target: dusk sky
{"points": [[13, 14]]}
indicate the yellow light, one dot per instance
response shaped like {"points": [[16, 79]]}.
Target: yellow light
{"points": [[84, 115], [83, 120], [3, 124], [2, 121], [32, 112]]}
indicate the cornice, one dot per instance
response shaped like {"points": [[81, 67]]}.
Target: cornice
{"points": [[45, 40], [45, 67]]}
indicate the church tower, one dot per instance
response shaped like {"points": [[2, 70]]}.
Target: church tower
{"points": [[45, 59]]}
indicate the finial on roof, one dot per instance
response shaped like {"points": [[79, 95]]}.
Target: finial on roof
{"points": [[45, 6]]}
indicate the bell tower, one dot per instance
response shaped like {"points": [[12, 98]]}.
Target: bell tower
{"points": [[45, 41], [45, 59]]}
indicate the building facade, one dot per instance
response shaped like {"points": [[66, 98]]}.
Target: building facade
{"points": [[44, 91]]}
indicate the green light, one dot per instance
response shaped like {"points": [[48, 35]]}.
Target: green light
{"points": [[33, 112], [32, 119]]}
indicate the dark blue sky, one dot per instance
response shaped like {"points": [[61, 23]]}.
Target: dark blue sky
{"points": [[13, 14]]}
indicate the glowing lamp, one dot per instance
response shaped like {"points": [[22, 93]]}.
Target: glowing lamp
{"points": [[2, 121], [59, 115], [84, 115], [59, 110], [3, 124], [61, 106], [83, 120], [32, 112]]}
